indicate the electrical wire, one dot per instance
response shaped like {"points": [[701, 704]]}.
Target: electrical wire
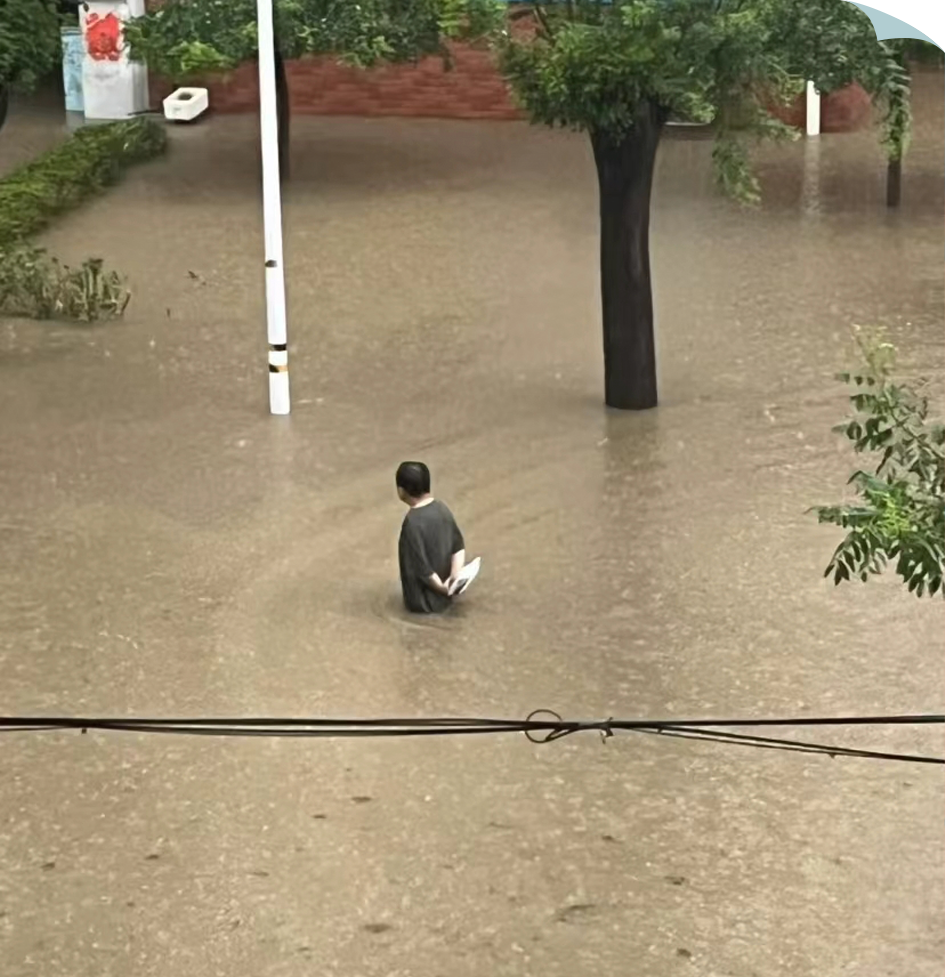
{"points": [[537, 729]]}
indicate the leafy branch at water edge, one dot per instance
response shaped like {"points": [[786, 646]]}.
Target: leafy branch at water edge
{"points": [[900, 513]]}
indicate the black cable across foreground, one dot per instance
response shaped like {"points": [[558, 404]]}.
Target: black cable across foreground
{"points": [[541, 726]]}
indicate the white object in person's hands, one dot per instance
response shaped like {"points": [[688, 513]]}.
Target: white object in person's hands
{"points": [[465, 577]]}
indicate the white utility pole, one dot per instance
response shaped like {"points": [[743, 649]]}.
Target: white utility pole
{"points": [[813, 110], [272, 213]]}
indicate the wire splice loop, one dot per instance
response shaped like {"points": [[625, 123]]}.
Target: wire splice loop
{"points": [[541, 726]]}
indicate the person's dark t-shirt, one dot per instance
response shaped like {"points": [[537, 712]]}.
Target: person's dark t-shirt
{"points": [[428, 539]]}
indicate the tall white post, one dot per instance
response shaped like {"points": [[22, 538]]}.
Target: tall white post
{"points": [[272, 213], [813, 110]]}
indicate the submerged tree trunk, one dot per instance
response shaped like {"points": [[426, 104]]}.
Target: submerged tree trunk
{"points": [[625, 177], [282, 111], [894, 182]]}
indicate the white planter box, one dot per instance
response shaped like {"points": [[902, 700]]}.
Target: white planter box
{"points": [[186, 104]]}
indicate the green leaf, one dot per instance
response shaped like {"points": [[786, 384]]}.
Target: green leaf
{"points": [[186, 38]]}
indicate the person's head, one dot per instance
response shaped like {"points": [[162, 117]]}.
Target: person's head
{"points": [[413, 481]]}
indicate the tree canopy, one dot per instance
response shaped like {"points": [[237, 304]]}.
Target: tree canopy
{"points": [[591, 64], [182, 38]]}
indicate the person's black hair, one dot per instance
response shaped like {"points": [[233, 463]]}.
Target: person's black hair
{"points": [[414, 478]]}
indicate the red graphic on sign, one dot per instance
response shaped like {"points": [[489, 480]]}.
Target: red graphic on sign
{"points": [[103, 37]]}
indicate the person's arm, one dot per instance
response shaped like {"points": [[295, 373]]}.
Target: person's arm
{"points": [[436, 584], [458, 560], [457, 563]]}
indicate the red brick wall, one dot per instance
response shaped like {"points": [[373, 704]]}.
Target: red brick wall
{"points": [[471, 90]]}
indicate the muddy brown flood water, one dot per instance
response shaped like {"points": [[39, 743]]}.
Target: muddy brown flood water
{"points": [[166, 548]]}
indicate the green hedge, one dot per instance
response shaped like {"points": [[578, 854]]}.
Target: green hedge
{"points": [[92, 158]]}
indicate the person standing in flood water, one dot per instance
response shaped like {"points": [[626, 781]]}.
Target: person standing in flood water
{"points": [[431, 548]]}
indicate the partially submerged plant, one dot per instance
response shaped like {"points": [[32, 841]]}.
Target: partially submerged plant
{"points": [[37, 286], [900, 514]]}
